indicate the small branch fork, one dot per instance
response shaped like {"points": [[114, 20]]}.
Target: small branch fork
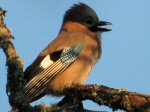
{"points": [[102, 95]]}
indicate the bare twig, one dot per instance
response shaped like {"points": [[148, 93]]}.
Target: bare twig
{"points": [[14, 63]]}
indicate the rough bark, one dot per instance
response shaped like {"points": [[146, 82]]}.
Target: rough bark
{"points": [[102, 95]]}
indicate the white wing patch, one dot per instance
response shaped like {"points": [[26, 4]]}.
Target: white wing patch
{"points": [[46, 62]]}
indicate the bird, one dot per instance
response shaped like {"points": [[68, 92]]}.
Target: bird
{"points": [[67, 60]]}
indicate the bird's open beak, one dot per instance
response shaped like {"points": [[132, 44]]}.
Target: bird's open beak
{"points": [[103, 23]]}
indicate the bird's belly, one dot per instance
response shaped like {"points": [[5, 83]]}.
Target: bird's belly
{"points": [[76, 73]]}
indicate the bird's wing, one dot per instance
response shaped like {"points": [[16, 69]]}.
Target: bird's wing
{"points": [[52, 53], [38, 84]]}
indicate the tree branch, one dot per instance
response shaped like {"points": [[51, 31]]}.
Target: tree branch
{"points": [[14, 63], [102, 95], [113, 98]]}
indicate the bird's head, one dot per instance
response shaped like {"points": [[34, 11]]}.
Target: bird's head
{"points": [[85, 15]]}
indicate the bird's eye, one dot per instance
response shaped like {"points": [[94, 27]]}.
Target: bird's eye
{"points": [[89, 20]]}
